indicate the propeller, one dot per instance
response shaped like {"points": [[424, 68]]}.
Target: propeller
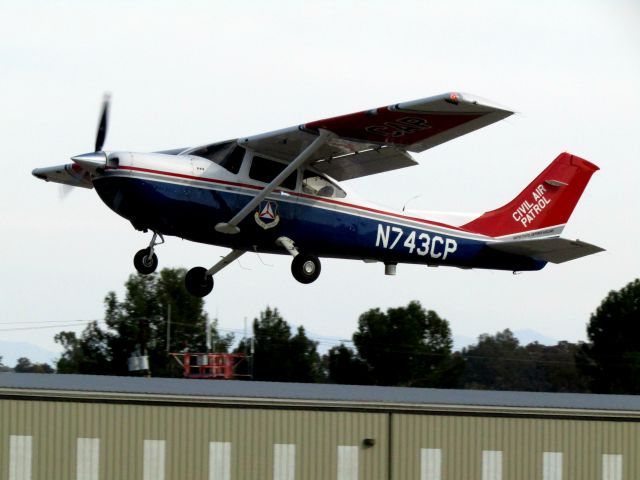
{"points": [[101, 134], [98, 158]]}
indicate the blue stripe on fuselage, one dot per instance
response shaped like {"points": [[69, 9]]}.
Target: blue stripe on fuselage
{"points": [[324, 229]]}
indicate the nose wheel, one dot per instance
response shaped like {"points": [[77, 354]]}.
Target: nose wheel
{"points": [[305, 268], [146, 261]]}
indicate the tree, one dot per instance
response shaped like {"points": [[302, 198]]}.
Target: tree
{"points": [[556, 367], [406, 346], [499, 362], [279, 355], [344, 366], [493, 363], [89, 354], [138, 325], [3, 367], [612, 356], [24, 365]]}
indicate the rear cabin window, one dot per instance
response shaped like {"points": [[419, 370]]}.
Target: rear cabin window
{"points": [[265, 170], [228, 155]]}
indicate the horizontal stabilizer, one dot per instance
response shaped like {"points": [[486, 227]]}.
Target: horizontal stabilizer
{"points": [[554, 250]]}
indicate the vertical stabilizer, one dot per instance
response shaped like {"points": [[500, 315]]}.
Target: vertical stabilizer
{"points": [[546, 203]]}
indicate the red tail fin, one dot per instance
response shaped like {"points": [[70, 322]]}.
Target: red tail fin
{"points": [[547, 202]]}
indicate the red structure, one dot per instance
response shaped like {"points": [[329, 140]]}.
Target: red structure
{"points": [[210, 365]]}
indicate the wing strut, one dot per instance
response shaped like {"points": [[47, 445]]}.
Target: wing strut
{"points": [[232, 225], [226, 260]]}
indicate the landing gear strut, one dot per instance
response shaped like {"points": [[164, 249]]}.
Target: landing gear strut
{"points": [[146, 261], [199, 280]]}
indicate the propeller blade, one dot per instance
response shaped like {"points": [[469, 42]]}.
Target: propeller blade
{"points": [[102, 126], [64, 191]]}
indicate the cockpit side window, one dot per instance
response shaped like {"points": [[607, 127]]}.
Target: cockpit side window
{"points": [[316, 184], [265, 170], [228, 155]]}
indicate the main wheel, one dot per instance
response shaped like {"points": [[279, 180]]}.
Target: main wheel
{"points": [[198, 283], [145, 261], [305, 268]]}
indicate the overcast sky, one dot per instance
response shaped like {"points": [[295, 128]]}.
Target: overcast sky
{"points": [[189, 73]]}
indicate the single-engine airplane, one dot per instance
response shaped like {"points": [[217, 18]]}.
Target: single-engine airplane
{"points": [[279, 192]]}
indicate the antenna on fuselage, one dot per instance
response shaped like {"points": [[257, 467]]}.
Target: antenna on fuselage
{"points": [[407, 202]]}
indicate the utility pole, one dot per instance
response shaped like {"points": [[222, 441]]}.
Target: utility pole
{"points": [[169, 328], [207, 334]]}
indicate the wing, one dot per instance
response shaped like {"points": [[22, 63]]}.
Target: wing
{"points": [[554, 250], [377, 140]]}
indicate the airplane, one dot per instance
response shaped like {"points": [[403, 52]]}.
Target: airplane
{"points": [[281, 192]]}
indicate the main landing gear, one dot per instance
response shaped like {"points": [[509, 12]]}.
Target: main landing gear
{"points": [[304, 267], [146, 261], [199, 280], [198, 283]]}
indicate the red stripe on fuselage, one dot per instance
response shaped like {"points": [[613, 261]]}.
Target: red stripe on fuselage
{"points": [[295, 194]]}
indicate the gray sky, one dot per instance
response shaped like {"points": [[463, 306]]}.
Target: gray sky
{"points": [[188, 73]]}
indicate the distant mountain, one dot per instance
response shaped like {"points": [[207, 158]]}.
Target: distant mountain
{"points": [[529, 336], [11, 351]]}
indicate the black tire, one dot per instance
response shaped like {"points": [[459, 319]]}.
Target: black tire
{"points": [[198, 283], [305, 268], [145, 263]]}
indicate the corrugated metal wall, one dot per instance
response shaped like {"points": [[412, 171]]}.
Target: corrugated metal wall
{"points": [[42, 439], [514, 448], [166, 442]]}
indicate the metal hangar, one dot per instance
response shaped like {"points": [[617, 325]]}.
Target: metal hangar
{"points": [[96, 428]]}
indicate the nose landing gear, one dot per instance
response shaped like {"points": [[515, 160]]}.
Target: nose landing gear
{"points": [[146, 261]]}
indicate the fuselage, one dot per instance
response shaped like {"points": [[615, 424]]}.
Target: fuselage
{"points": [[186, 195]]}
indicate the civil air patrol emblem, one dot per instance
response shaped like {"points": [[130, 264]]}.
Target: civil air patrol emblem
{"points": [[267, 215]]}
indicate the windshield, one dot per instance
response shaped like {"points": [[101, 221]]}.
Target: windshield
{"points": [[227, 154]]}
